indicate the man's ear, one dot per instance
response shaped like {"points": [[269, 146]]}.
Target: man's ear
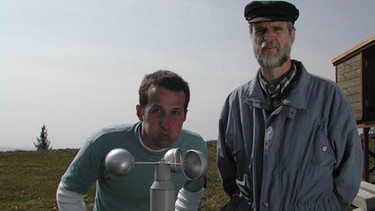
{"points": [[139, 111], [186, 111], [293, 35]]}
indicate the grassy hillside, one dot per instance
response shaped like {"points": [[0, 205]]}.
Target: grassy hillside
{"points": [[28, 180]]}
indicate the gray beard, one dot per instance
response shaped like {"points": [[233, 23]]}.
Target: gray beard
{"points": [[271, 62]]}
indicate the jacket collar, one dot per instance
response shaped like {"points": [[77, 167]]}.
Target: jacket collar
{"points": [[297, 97]]}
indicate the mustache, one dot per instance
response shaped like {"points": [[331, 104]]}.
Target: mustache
{"points": [[269, 44]]}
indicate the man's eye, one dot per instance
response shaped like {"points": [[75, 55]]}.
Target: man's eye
{"points": [[176, 112], [260, 31], [157, 110]]}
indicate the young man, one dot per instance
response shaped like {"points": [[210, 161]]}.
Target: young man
{"points": [[287, 139], [163, 104]]}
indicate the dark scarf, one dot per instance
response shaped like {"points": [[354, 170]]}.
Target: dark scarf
{"points": [[277, 90]]}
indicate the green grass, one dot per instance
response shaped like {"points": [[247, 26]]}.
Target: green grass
{"points": [[28, 180]]}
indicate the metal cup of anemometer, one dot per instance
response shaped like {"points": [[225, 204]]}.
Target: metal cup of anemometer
{"points": [[162, 192]]}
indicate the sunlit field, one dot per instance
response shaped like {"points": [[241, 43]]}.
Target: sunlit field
{"points": [[28, 180]]}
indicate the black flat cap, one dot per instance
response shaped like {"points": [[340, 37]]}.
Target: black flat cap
{"points": [[260, 11]]}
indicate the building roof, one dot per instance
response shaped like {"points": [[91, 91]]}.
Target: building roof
{"points": [[354, 50]]}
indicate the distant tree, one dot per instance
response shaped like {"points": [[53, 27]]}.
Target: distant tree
{"points": [[43, 143]]}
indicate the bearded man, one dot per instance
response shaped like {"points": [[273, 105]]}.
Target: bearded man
{"points": [[287, 139]]}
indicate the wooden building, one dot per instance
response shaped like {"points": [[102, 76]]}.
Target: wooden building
{"points": [[355, 74]]}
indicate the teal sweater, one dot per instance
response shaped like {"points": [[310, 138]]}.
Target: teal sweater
{"points": [[130, 192]]}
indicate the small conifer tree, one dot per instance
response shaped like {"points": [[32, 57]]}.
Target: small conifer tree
{"points": [[43, 143]]}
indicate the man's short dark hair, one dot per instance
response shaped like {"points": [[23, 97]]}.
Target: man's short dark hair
{"points": [[166, 79]]}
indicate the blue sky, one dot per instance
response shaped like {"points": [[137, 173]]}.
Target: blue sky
{"points": [[76, 65]]}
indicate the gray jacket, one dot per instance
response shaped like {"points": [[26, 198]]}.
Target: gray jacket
{"points": [[306, 155]]}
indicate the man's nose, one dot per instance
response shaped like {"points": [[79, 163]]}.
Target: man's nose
{"points": [[164, 121], [269, 35]]}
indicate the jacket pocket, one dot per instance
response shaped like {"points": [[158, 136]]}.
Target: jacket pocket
{"points": [[323, 152]]}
